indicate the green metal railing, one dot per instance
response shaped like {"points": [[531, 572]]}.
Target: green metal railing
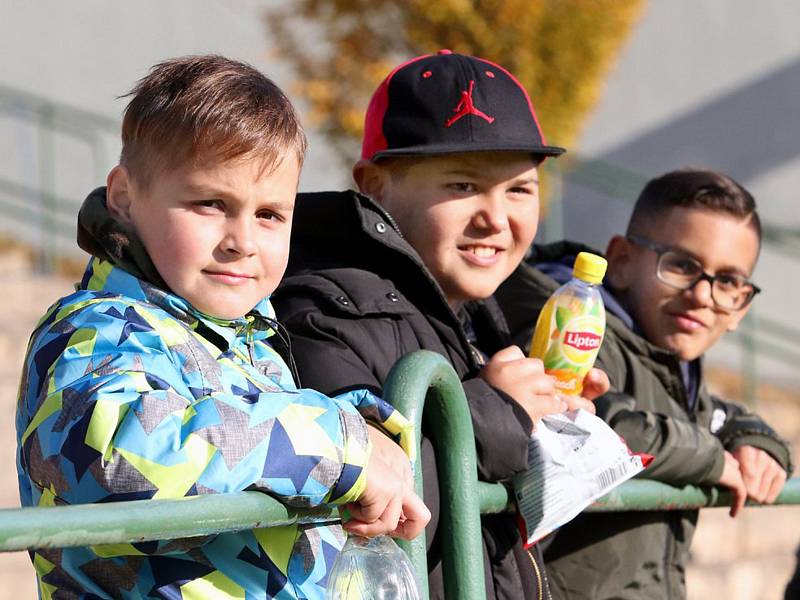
{"points": [[645, 495], [423, 386], [146, 520]]}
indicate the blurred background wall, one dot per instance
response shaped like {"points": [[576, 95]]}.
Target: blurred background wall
{"points": [[714, 83]]}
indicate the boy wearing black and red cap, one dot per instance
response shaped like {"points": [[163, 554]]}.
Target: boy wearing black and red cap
{"points": [[448, 207]]}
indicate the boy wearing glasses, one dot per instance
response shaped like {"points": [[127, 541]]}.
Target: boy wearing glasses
{"points": [[676, 282]]}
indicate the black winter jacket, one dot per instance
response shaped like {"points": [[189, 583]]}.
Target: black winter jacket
{"points": [[634, 555], [355, 299]]}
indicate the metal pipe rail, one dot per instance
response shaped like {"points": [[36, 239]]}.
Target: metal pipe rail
{"points": [[644, 495], [420, 380], [145, 520]]}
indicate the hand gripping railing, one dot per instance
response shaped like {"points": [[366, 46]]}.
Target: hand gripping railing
{"points": [[421, 379]]}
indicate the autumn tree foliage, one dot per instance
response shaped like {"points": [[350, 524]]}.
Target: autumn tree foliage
{"points": [[341, 49]]}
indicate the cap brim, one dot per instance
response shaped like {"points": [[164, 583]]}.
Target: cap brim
{"points": [[429, 149]]}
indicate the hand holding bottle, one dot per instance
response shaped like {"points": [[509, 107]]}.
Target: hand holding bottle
{"points": [[595, 384], [389, 503], [524, 379]]}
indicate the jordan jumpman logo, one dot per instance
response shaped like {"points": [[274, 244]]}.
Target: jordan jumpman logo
{"points": [[466, 107]]}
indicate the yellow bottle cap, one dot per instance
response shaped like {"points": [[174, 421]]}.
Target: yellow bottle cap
{"points": [[589, 267]]}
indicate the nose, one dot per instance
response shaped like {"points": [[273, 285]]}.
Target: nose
{"points": [[238, 239], [492, 213], [700, 293]]}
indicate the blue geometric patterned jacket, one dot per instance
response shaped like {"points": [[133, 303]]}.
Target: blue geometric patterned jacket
{"points": [[129, 393]]}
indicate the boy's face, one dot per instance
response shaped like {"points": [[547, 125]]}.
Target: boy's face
{"points": [[218, 234], [687, 322], [470, 216]]}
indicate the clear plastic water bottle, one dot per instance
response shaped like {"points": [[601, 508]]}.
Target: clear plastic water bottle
{"points": [[372, 569], [571, 326]]}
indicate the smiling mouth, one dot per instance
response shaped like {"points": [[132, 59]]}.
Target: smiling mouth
{"points": [[481, 251], [480, 256], [688, 323]]}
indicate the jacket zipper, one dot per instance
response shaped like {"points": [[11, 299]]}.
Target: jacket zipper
{"points": [[538, 574]]}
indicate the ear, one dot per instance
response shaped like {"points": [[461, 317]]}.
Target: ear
{"points": [[372, 179], [737, 317], [119, 193], [619, 255]]}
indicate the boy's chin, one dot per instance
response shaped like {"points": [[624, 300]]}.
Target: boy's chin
{"points": [[223, 312], [474, 294], [686, 349]]}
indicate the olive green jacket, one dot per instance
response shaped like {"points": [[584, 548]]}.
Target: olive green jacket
{"points": [[637, 554]]}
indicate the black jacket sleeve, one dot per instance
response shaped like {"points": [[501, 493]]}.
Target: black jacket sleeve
{"points": [[335, 353]]}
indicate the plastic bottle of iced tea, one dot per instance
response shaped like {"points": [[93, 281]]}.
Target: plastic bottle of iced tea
{"points": [[571, 326]]}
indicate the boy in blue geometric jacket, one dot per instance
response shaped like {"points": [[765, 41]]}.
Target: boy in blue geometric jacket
{"points": [[157, 378]]}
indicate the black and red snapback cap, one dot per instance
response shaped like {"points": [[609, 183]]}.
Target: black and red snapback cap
{"points": [[448, 103]]}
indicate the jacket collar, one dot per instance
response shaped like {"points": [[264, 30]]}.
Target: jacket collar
{"points": [[352, 229], [101, 235], [341, 221]]}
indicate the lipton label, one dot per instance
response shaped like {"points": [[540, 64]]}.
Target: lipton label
{"points": [[581, 339]]}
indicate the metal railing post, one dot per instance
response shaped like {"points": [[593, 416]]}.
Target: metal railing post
{"points": [[424, 379]]}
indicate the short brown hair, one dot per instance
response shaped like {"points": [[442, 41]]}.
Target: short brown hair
{"points": [[694, 187], [206, 107]]}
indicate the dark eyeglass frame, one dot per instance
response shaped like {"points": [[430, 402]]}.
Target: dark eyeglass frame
{"points": [[661, 249]]}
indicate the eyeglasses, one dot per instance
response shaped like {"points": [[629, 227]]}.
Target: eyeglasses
{"points": [[682, 272]]}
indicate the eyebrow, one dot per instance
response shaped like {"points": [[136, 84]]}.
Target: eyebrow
{"points": [[217, 193], [476, 174], [199, 189], [279, 205]]}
